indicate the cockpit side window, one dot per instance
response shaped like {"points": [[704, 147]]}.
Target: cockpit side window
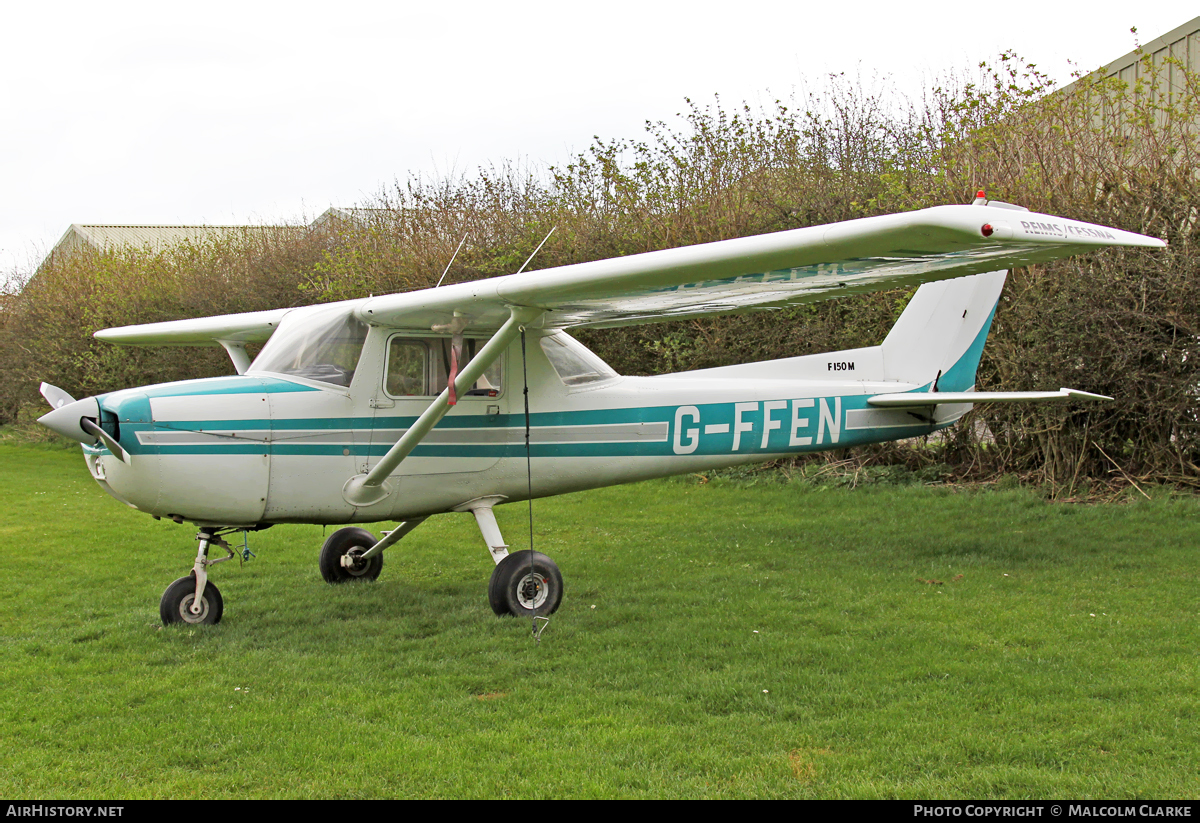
{"points": [[420, 367], [323, 345], [407, 368]]}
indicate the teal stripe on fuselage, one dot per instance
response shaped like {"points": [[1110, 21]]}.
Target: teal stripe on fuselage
{"points": [[688, 438], [233, 384]]}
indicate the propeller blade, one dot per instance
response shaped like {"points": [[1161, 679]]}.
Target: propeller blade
{"points": [[91, 427], [56, 397]]}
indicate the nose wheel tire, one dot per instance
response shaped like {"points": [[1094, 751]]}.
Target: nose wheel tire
{"points": [[350, 544], [525, 588], [176, 603]]}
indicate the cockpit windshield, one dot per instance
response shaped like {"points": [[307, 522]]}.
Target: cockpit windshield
{"points": [[321, 344]]}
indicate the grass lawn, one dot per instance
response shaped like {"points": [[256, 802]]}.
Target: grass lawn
{"points": [[716, 640]]}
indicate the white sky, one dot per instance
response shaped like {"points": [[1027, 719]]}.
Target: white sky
{"points": [[258, 112]]}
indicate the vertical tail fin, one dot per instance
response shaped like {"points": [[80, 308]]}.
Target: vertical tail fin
{"points": [[940, 335]]}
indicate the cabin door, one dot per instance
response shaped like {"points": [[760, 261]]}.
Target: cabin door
{"points": [[473, 434]]}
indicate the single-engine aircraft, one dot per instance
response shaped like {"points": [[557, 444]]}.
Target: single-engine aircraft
{"points": [[409, 405]]}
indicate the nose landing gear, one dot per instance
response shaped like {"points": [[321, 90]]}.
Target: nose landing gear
{"points": [[193, 599]]}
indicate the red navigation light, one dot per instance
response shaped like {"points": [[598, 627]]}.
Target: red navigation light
{"points": [[981, 194], [986, 229]]}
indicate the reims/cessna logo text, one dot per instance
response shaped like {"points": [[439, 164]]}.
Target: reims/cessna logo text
{"points": [[1085, 231], [1047, 229], [1055, 230]]}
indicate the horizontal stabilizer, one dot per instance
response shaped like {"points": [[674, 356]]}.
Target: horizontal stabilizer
{"points": [[912, 400]]}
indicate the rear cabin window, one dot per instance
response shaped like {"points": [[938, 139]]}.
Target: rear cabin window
{"points": [[574, 363], [420, 367]]}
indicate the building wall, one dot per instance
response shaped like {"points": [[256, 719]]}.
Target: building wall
{"points": [[1182, 44]]}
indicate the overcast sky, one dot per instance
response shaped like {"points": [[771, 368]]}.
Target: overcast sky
{"points": [[257, 112]]}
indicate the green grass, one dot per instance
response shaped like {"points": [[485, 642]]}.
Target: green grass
{"points": [[718, 640]]}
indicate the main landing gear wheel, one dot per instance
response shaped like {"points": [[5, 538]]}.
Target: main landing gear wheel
{"points": [[523, 588], [350, 543], [176, 603]]}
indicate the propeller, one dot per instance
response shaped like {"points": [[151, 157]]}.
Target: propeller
{"points": [[76, 419]]}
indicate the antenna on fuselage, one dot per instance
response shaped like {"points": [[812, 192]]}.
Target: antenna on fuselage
{"points": [[535, 251], [451, 263]]}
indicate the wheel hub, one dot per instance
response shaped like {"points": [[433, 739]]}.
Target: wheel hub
{"points": [[532, 591], [185, 609], [353, 563]]}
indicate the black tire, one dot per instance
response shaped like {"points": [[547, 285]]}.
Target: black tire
{"points": [[514, 590], [175, 606], [349, 541]]}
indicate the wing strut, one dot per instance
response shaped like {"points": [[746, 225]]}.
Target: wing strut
{"points": [[236, 349], [370, 488]]}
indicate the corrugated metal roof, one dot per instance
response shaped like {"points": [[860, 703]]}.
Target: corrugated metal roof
{"points": [[81, 236], [102, 236], [106, 236], [333, 216]]}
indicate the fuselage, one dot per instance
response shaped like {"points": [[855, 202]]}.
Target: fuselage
{"points": [[267, 447]]}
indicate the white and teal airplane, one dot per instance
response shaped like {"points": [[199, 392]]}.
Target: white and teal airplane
{"points": [[409, 405]]}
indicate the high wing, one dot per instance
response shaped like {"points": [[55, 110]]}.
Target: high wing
{"points": [[247, 327], [767, 271]]}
